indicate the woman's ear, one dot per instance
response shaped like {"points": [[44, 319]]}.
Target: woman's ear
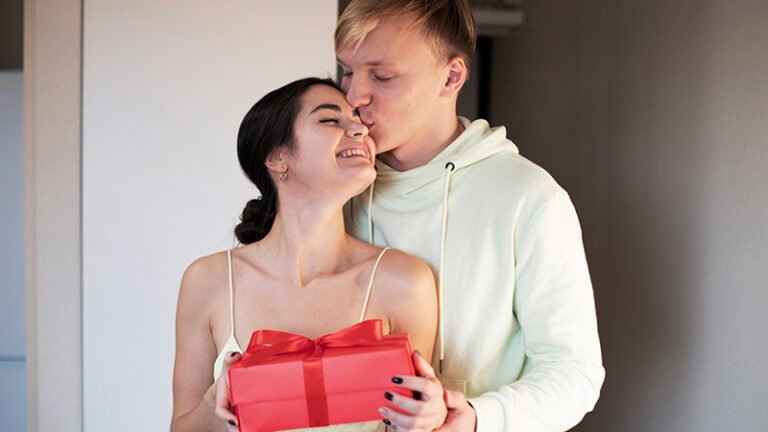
{"points": [[276, 161], [457, 74]]}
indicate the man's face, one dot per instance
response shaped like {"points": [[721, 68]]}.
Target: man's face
{"points": [[395, 80]]}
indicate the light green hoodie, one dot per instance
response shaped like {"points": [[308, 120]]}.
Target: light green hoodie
{"points": [[517, 317]]}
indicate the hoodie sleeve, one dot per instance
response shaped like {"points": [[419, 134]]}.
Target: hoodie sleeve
{"points": [[554, 305]]}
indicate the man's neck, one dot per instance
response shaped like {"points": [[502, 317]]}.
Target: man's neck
{"points": [[412, 156]]}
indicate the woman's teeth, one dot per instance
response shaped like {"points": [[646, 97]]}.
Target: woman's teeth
{"points": [[352, 152]]}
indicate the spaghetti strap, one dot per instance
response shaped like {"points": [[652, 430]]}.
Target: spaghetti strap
{"points": [[231, 343], [370, 283], [231, 297]]}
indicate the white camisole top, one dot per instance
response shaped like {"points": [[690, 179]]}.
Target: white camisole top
{"points": [[233, 345]]}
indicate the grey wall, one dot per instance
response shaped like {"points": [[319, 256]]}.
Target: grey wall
{"points": [[12, 333], [654, 115]]}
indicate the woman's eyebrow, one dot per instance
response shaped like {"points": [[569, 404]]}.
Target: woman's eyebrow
{"points": [[327, 106]]}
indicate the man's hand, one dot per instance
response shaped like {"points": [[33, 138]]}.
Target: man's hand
{"points": [[461, 416], [425, 414]]}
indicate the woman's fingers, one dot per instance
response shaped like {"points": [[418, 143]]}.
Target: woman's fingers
{"points": [[232, 427], [223, 408], [225, 414], [229, 360], [406, 404], [399, 421], [422, 366], [424, 414], [428, 388]]}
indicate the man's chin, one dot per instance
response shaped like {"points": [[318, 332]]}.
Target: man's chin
{"points": [[382, 147]]}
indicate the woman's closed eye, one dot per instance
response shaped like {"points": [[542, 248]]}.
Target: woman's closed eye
{"points": [[330, 120]]}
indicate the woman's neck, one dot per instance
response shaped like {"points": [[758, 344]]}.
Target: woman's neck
{"points": [[308, 240]]}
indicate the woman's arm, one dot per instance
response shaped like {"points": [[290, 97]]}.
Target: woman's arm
{"points": [[408, 291], [412, 308], [194, 391]]}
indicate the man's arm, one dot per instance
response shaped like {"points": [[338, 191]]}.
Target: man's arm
{"points": [[554, 305]]}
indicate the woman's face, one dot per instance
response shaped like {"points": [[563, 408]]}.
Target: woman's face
{"points": [[332, 152]]}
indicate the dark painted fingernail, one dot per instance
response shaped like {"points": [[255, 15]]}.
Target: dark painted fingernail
{"points": [[388, 396], [232, 422], [397, 380], [387, 422]]}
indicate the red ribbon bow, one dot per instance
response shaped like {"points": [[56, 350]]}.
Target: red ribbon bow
{"points": [[266, 345]]}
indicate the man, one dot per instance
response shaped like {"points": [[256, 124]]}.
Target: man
{"points": [[517, 331]]}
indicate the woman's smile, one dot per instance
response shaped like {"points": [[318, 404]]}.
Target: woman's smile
{"points": [[353, 152]]}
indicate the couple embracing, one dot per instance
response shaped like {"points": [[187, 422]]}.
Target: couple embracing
{"points": [[379, 202]]}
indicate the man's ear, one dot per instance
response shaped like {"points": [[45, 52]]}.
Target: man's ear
{"points": [[276, 161], [457, 75]]}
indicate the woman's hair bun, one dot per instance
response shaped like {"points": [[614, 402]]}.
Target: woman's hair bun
{"points": [[256, 220]]}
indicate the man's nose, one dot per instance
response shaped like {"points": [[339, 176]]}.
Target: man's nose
{"points": [[357, 93]]}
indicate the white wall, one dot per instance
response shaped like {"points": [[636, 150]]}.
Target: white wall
{"points": [[12, 328], [52, 218], [654, 116], [165, 86]]}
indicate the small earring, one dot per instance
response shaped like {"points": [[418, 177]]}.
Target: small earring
{"points": [[283, 176]]}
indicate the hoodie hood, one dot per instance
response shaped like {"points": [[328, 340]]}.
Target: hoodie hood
{"points": [[421, 186]]}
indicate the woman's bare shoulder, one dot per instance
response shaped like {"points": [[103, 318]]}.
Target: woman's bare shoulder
{"points": [[406, 287], [404, 275], [205, 275]]}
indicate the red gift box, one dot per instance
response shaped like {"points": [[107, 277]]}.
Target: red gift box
{"points": [[286, 381]]}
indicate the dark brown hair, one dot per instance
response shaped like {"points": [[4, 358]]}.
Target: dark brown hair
{"points": [[268, 125]]}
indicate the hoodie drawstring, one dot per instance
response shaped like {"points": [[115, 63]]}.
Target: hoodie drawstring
{"points": [[370, 213], [449, 167]]}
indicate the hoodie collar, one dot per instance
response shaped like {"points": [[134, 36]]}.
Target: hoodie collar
{"points": [[421, 185]]}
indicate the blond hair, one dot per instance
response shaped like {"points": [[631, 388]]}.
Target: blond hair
{"points": [[447, 24]]}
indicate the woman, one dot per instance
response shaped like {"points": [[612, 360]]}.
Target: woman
{"points": [[308, 153]]}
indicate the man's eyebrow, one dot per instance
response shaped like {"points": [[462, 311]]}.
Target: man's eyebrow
{"points": [[370, 63], [327, 106]]}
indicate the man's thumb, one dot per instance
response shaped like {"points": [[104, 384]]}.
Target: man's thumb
{"points": [[452, 399]]}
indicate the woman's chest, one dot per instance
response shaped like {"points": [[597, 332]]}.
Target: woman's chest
{"points": [[312, 311]]}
